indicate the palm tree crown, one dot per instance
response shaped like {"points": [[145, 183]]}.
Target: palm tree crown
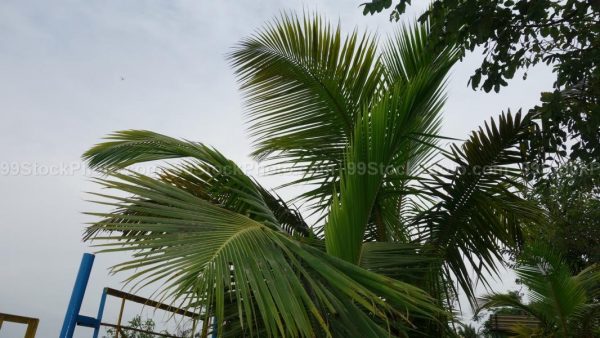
{"points": [[394, 229]]}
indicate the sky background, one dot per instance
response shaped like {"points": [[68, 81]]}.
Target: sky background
{"points": [[73, 71]]}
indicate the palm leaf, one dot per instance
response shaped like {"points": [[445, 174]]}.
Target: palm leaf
{"points": [[211, 232], [307, 87], [206, 174], [558, 299], [479, 209], [303, 83], [379, 135], [206, 253]]}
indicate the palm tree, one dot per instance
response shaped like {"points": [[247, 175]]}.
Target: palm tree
{"points": [[566, 305], [393, 230]]}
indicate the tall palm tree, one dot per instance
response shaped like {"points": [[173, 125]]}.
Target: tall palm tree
{"points": [[392, 232], [566, 305]]}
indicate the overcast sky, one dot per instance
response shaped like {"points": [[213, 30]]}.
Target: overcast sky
{"points": [[73, 71]]}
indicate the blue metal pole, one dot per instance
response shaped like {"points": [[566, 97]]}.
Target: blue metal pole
{"points": [[83, 276], [100, 313]]}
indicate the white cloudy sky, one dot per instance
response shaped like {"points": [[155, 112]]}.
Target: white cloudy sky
{"points": [[73, 71]]}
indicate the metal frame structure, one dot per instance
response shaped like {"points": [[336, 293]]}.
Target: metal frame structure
{"points": [[74, 319], [506, 322], [32, 323], [124, 296]]}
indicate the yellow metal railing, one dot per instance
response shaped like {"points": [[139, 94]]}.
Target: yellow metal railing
{"points": [[32, 323], [124, 296]]}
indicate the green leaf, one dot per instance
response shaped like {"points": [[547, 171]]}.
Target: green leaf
{"points": [[479, 210]]}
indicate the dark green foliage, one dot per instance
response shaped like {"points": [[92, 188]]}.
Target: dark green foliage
{"points": [[467, 331], [478, 213], [518, 34], [571, 195], [565, 304]]}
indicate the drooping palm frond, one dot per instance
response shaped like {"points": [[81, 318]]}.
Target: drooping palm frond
{"points": [[206, 174], [479, 210], [211, 232], [207, 253], [227, 189], [125, 148]]}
